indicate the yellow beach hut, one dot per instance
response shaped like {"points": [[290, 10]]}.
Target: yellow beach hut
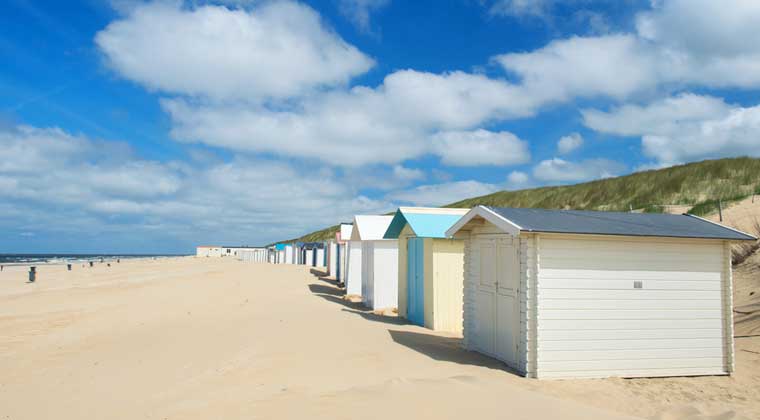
{"points": [[430, 267]]}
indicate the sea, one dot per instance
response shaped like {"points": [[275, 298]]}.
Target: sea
{"points": [[44, 259]]}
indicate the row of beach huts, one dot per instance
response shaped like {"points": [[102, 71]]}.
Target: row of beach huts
{"points": [[551, 293]]}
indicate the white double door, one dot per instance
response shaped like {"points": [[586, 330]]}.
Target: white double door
{"points": [[497, 308]]}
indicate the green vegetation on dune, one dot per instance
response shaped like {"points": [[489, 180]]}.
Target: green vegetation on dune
{"points": [[690, 184], [699, 185]]}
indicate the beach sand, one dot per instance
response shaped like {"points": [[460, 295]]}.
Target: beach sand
{"points": [[198, 338]]}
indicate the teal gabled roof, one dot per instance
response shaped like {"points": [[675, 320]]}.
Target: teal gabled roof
{"points": [[424, 222]]}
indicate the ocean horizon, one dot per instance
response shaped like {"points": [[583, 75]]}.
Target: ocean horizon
{"points": [[65, 258]]}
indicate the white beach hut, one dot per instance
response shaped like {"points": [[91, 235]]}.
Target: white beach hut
{"points": [[319, 258], [289, 254], [379, 262], [556, 293], [332, 258], [343, 237], [208, 251], [365, 228]]}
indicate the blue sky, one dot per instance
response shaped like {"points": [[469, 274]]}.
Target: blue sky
{"points": [[152, 126]]}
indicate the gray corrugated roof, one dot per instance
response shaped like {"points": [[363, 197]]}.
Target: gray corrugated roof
{"points": [[614, 223]]}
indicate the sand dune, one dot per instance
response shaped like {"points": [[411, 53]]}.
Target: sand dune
{"points": [[194, 338]]}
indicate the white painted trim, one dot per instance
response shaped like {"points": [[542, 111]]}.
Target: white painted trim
{"points": [[506, 225], [723, 226], [728, 306], [433, 210], [534, 306]]}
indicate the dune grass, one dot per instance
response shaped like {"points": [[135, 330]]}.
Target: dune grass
{"points": [[699, 185]]}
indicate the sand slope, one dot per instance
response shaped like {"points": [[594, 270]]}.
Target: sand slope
{"points": [[215, 338]]}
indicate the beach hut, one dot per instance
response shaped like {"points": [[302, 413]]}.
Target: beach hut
{"points": [[289, 254], [430, 267], [343, 237], [332, 258], [208, 251], [280, 253], [569, 294], [319, 255], [379, 262]]}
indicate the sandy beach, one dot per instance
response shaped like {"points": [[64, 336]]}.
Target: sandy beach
{"points": [[189, 338]]}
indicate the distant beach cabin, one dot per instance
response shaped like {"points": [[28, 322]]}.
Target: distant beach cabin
{"points": [[332, 259], [320, 256], [343, 236], [252, 254], [430, 267], [570, 294], [289, 254], [379, 262], [208, 251]]}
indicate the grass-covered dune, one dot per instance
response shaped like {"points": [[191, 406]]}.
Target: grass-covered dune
{"points": [[697, 185]]}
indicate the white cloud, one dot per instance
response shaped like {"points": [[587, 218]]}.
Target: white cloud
{"points": [[611, 65], [441, 194], [480, 147], [359, 11], [569, 143], [517, 180], [520, 8], [407, 174], [560, 170], [280, 78], [663, 53], [736, 134], [684, 128], [663, 117], [274, 50], [388, 124], [725, 29], [73, 184]]}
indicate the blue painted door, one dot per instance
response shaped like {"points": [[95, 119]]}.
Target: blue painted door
{"points": [[337, 263], [415, 280]]}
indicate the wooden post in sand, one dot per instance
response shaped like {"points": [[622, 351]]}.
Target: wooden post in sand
{"points": [[68, 267], [720, 210], [32, 274]]}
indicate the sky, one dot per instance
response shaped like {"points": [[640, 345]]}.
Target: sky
{"points": [[154, 126]]}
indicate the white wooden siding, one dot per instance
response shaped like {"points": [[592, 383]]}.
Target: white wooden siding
{"points": [[593, 323], [354, 269], [380, 274], [527, 258]]}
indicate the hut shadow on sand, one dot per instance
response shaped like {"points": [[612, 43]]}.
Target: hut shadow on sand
{"points": [[447, 349], [435, 346], [336, 295]]}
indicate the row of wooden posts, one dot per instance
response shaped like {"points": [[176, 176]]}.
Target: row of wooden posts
{"points": [[33, 269]]}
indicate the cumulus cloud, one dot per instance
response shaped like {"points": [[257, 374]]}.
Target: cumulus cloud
{"points": [[665, 116], [441, 194], [359, 11], [569, 143], [407, 174], [662, 53], [274, 79], [684, 128], [273, 50], [560, 170], [74, 185], [520, 8], [388, 124], [517, 180], [612, 65], [480, 147]]}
